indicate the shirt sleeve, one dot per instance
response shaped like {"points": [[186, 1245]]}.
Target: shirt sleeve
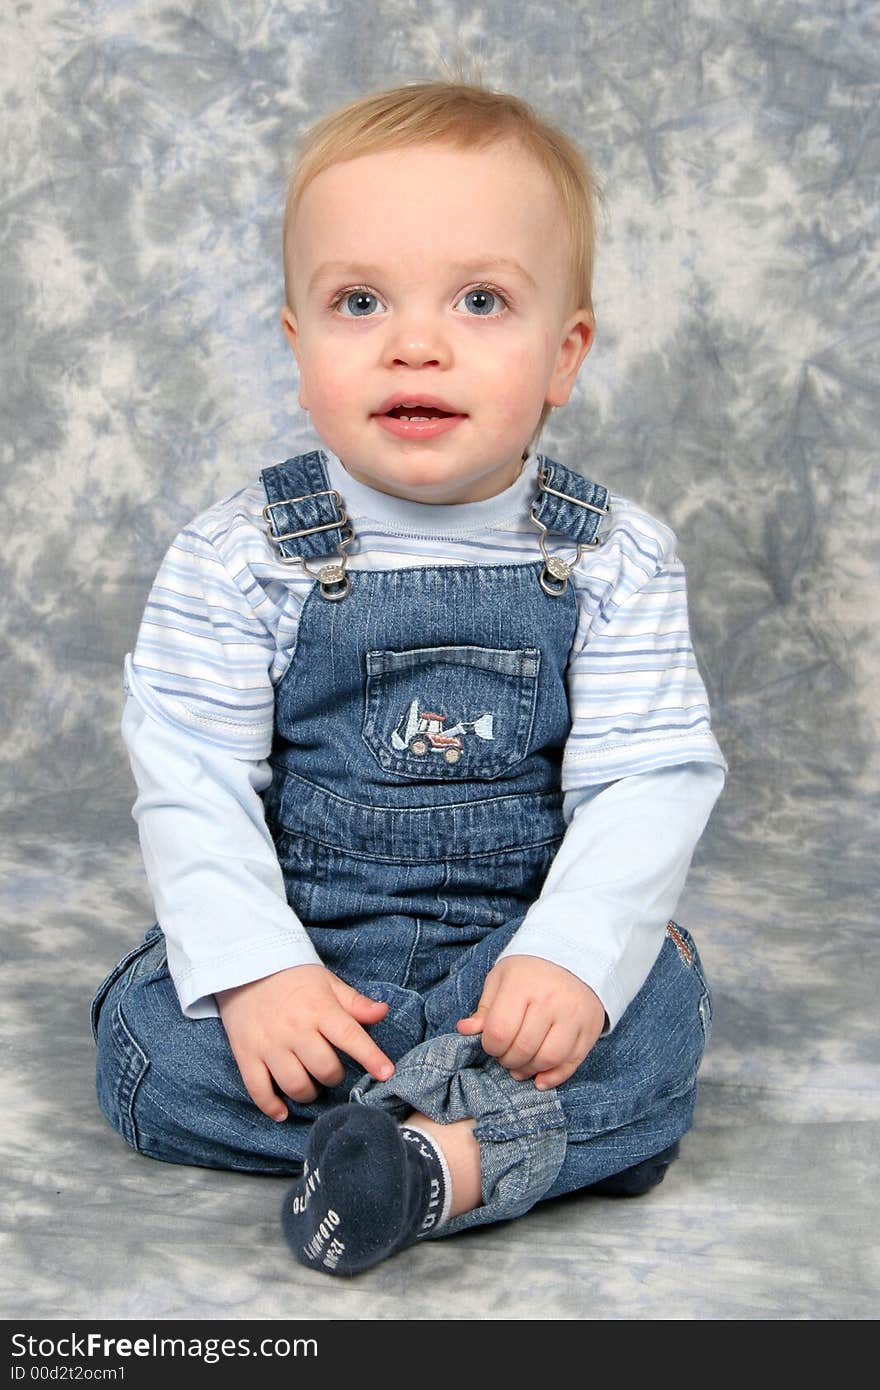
{"points": [[617, 877], [210, 862], [636, 696], [208, 637]]}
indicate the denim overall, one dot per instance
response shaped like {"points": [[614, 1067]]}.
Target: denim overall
{"points": [[416, 808]]}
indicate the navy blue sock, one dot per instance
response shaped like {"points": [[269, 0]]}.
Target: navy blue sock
{"points": [[369, 1187]]}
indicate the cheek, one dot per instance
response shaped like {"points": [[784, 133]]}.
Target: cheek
{"points": [[326, 376], [519, 380]]}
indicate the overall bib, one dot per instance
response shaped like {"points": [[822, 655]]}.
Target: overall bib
{"points": [[416, 807]]}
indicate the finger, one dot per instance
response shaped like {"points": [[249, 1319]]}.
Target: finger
{"points": [[484, 1004], [502, 1024], [546, 1080], [363, 1008], [292, 1078], [321, 1061], [524, 1051], [343, 1032], [559, 1059], [560, 1044], [258, 1084], [473, 1024]]}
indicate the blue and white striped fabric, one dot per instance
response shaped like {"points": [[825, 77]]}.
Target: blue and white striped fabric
{"points": [[221, 621]]}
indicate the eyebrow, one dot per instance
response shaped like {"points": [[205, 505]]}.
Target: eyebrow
{"points": [[332, 269]]}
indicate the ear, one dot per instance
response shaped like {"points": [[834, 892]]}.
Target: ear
{"points": [[291, 333], [577, 339]]}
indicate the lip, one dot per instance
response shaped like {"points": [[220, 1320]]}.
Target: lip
{"points": [[404, 398], [418, 429]]}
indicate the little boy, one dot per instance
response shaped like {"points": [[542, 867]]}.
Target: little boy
{"points": [[421, 746]]}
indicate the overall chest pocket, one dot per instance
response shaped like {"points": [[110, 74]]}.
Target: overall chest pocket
{"points": [[450, 712]]}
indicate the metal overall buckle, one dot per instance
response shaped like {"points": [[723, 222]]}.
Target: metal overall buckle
{"points": [[554, 565], [334, 582]]}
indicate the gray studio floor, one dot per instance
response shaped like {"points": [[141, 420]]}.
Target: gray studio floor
{"points": [[770, 1213]]}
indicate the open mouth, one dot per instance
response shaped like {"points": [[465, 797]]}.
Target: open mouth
{"points": [[418, 412], [415, 420]]}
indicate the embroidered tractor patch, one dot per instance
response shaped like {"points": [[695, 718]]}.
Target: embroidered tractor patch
{"points": [[422, 732]]}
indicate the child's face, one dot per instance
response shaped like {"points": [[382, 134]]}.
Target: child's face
{"points": [[433, 272]]}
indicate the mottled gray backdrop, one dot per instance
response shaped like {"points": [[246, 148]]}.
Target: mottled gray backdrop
{"points": [[732, 389]]}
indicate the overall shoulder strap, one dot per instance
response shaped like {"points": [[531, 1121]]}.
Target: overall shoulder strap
{"points": [[304, 515], [568, 502]]}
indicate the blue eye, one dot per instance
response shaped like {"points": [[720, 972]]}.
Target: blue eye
{"points": [[483, 302], [480, 300], [359, 304]]}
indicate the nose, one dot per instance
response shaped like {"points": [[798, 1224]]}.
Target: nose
{"points": [[417, 340]]}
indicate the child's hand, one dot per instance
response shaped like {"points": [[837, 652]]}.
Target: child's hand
{"points": [[286, 1027], [537, 1019]]}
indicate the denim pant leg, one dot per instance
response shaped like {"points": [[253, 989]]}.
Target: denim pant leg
{"points": [[170, 1085], [631, 1097], [634, 1095]]}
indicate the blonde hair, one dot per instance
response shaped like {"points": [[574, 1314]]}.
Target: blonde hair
{"points": [[465, 115]]}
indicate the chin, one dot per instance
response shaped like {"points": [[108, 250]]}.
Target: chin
{"points": [[421, 466], [417, 468]]}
